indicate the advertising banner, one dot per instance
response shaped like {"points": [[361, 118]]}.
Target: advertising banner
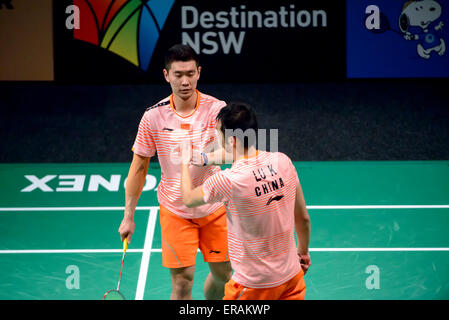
{"points": [[397, 39], [237, 41]]}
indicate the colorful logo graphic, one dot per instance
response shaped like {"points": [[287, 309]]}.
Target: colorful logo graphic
{"points": [[129, 28]]}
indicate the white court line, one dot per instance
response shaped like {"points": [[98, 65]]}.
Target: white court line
{"points": [[74, 209], [376, 249], [444, 206], [359, 249], [69, 251], [146, 258], [145, 262], [311, 207]]}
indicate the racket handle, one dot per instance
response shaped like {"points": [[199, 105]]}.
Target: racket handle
{"points": [[125, 245]]}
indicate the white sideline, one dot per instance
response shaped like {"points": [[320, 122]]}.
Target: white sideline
{"points": [[310, 207], [145, 262]]}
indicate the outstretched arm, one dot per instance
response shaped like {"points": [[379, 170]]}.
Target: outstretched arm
{"points": [[134, 185], [213, 155], [215, 158]]}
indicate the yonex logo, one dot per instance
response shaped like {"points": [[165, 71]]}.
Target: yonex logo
{"points": [[130, 28], [79, 182]]}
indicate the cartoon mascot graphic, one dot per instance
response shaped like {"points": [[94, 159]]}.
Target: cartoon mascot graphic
{"points": [[420, 21]]}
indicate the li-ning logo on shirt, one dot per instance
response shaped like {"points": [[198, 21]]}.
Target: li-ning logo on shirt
{"points": [[130, 28], [276, 198]]}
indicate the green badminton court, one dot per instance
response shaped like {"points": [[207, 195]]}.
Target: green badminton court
{"points": [[380, 230]]}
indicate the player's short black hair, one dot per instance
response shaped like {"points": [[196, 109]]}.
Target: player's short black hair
{"points": [[180, 52], [239, 115]]}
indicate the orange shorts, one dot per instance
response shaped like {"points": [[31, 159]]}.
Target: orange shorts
{"points": [[293, 289], [181, 238]]}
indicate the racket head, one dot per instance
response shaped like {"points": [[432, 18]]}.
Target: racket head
{"points": [[113, 295]]}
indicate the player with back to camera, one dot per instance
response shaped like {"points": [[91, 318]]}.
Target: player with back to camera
{"points": [[264, 204], [183, 230]]}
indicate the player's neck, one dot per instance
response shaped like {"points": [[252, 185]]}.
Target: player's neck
{"points": [[185, 107], [245, 154]]}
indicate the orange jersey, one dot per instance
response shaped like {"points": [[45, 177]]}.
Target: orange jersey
{"points": [[259, 195], [161, 130]]}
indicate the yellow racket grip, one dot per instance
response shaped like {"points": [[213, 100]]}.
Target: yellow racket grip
{"points": [[125, 245]]}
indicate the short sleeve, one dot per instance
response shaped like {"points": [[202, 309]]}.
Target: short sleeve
{"points": [[293, 170], [217, 188], [217, 106], [144, 144], [288, 164]]}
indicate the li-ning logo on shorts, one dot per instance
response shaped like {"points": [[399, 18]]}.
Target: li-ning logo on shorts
{"points": [[129, 28]]}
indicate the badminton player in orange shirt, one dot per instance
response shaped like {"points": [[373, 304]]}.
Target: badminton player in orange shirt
{"points": [[265, 205], [183, 230]]}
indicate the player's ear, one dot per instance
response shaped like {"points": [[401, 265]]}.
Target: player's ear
{"points": [[199, 71], [166, 75]]}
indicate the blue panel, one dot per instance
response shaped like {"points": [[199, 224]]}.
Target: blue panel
{"points": [[148, 36], [161, 9], [385, 52]]}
